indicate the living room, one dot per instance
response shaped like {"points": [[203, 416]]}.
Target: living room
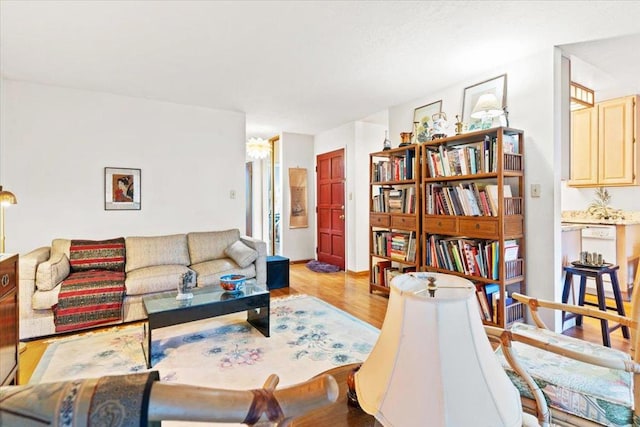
{"points": [[57, 136]]}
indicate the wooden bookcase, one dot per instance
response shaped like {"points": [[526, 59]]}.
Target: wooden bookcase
{"points": [[473, 215], [394, 214]]}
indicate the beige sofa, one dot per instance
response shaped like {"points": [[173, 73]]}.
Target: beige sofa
{"points": [[153, 264]]}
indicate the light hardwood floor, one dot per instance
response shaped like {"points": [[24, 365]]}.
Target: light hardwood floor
{"points": [[347, 291]]}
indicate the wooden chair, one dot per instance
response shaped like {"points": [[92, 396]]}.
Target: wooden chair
{"points": [[567, 381]]}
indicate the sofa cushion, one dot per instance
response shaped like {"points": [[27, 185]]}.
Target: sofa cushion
{"points": [[209, 245], [242, 254], [157, 278], [85, 255], [52, 272], [209, 272], [157, 250], [60, 246]]}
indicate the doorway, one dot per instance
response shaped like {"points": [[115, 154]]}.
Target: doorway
{"points": [[330, 178]]}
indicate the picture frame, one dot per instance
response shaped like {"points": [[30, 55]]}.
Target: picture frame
{"points": [[496, 85], [423, 116], [122, 189]]}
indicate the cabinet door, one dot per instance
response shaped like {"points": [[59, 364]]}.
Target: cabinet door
{"points": [[615, 134], [584, 148]]}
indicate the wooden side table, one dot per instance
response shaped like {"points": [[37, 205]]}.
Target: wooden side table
{"points": [[9, 334], [339, 413]]}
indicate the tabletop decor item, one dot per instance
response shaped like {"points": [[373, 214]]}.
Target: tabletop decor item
{"points": [[405, 139], [232, 282], [184, 286], [386, 145], [599, 207]]}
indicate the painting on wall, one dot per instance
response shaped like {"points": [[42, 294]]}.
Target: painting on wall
{"points": [[298, 215], [122, 189]]}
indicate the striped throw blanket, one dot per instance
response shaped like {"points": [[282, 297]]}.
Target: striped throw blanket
{"points": [[93, 293]]}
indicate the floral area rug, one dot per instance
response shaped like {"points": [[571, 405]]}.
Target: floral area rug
{"points": [[308, 336]]}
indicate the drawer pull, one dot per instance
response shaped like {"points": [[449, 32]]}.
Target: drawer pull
{"points": [[5, 280], [477, 226], [439, 223]]}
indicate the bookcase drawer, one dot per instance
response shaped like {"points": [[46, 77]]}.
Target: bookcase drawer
{"points": [[479, 228], [7, 277], [379, 220], [434, 224], [403, 222]]}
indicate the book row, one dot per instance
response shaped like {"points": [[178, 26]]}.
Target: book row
{"points": [[395, 200], [397, 168], [473, 257], [397, 245]]}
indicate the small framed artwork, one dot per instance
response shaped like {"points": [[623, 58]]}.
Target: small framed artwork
{"points": [[423, 120], [496, 91], [121, 189]]}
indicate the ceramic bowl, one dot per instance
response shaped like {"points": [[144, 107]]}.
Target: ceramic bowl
{"points": [[232, 282]]}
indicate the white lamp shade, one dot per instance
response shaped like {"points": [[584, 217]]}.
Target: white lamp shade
{"points": [[487, 106], [433, 363]]}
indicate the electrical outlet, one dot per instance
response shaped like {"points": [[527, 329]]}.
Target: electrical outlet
{"points": [[535, 190], [232, 194]]}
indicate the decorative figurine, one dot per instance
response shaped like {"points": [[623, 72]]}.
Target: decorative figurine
{"points": [[459, 125], [387, 141], [184, 286], [440, 125], [405, 138]]}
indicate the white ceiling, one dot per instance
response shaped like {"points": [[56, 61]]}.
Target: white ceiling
{"points": [[298, 66]]}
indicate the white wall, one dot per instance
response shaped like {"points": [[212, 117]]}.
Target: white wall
{"points": [[297, 152], [56, 143], [530, 100]]}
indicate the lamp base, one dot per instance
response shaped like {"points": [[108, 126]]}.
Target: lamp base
{"points": [[352, 397]]}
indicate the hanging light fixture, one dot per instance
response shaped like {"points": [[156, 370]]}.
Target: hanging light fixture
{"points": [[258, 148], [581, 96]]}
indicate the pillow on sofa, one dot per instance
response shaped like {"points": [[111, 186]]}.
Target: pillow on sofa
{"points": [[242, 254], [52, 272], [210, 245], [97, 254], [156, 250]]}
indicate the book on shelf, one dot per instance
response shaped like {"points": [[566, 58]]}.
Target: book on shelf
{"points": [[484, 305], [492, 193], [379, 271], [511, 250]]}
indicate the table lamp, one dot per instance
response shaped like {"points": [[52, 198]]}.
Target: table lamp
{"points": [[433, 364], [486, 109], [6, 198]]}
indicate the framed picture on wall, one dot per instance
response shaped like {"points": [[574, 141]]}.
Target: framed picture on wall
{"points": [[423, 120], [494, 90], [122, 189]]}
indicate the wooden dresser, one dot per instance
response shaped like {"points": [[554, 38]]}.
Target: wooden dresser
{"points": [[9, 318]]}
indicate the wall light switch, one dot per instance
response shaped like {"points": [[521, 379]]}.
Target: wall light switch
{"points": [[232, 194], [535, 190]]}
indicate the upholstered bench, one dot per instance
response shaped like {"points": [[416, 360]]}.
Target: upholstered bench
{"points": [[590, 392]]}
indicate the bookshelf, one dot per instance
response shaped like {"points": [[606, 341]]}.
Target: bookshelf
{"points": [[473, 215], [394, 215]]}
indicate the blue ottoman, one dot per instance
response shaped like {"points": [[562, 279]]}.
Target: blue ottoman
{"points": [[277, 272]]}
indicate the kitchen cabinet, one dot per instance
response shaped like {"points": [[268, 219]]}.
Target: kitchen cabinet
{"points": [[603, 144]]}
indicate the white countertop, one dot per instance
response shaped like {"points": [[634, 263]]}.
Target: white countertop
{"points": [[572, 227]]}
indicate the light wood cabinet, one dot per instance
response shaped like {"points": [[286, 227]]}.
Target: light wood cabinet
{"points": [[604, 151]]}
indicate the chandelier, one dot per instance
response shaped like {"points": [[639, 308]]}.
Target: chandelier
{"points": [[258, 148]]}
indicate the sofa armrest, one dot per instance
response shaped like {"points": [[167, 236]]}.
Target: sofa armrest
{"points": [[261, 262], [28, 266]]}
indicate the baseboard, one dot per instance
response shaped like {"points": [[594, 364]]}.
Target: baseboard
{"points": [[300, 261], [364, 273]]}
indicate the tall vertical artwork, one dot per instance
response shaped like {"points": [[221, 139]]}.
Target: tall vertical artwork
{"points": [[298, 214]]}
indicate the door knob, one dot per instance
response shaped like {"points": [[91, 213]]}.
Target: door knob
{"points": [[341, 217]]}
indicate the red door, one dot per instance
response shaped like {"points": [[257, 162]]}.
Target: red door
{"points": [[330, 211]]}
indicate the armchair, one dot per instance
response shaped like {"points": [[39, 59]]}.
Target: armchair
{"points": [[568, 381]]}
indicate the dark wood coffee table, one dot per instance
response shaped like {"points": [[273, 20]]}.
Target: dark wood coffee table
{"points": [[164, 310], [339, 413]]}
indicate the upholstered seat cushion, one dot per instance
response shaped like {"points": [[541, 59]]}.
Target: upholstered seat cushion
{"points": [[51, 272], [156, 250], [599, 394], [158, 278], [209, 272]]}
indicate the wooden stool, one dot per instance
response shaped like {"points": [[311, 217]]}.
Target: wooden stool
{"points": [[596, 273]]}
